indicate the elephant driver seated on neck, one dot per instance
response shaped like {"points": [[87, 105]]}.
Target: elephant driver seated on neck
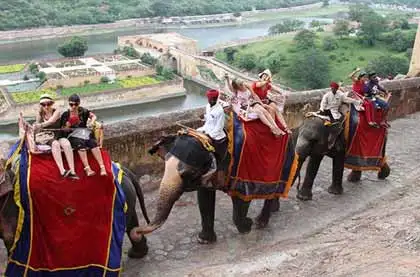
{"points": [[214, 128], [330, 107]]}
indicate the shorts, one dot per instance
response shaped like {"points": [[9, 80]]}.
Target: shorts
{"points": [[81, 144]]}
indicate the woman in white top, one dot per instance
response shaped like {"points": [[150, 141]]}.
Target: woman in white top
{"points": [[242, 96]]}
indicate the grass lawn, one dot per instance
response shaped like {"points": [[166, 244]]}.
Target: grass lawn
{"points": [[349, 55], [90, 88], [31, 96], [138, 81], [12, 68]]}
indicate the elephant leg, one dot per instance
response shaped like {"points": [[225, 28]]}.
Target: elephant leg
{"points": [[354, 176], [264, 216], [240, 212], [337, 176], [206, 204], [305, 192], [384, 172], [275, 205], [139, 249]]}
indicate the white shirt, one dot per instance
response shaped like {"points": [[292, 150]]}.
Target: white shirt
{"points": [[215, 122], [332, 102]]}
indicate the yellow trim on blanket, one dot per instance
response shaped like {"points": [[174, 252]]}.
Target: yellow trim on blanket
{"points": [[292, 173], [119, 179], [111, 228], [66, 268], [347, 128], [15, 153], [30, 214], [230, 147], [21, 215]]}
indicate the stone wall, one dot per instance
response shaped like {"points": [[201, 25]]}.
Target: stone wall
{"points": [[128, 141]]}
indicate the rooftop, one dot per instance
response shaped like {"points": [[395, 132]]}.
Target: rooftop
{"points": [[170, 39]]}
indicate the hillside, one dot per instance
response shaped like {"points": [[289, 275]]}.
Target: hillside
{"points": [[19, 14]]}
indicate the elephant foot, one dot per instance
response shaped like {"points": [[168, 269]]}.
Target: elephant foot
{"points": [[139, 249], [275, 205], [384, 172], [244, 226], [206, 238], [304, 196], [262, 221], [337, 190], [354, 176]]}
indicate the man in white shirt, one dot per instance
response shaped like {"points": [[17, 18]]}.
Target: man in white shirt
{"points": [[332, 101], [330, 106], [214, 128]]}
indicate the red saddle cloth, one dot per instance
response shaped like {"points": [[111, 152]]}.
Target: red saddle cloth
{"points": [[262, 166], [67, 227], [365, 144]]}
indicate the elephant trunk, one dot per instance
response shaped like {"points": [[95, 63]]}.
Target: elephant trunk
{"points": [[169, 192]]}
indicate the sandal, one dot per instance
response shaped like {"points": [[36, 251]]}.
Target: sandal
{"points": [[65, 173], [103, 171], [89, 172]]}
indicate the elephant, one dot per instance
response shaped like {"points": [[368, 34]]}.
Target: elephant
{"points": [[312, 142], [180, 177], [9, 210]]}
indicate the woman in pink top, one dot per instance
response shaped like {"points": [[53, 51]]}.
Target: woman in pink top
{"points": [[261, 89], [242, 96]]}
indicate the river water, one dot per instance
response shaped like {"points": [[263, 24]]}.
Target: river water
{"points": [[106, 43]]}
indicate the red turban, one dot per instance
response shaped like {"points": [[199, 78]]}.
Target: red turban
{"points": [[334, 85], [212, 93]]}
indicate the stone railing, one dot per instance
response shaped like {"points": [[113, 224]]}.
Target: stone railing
{"points": [[128, 141]]}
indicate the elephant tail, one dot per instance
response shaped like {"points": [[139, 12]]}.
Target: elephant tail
{"points": [[139, 192]]}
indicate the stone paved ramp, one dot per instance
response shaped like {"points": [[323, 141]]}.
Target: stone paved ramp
{"points": [[174, 251], [304, 238]]}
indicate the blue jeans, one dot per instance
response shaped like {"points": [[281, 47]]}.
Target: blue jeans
{"points": [[379, 103]]}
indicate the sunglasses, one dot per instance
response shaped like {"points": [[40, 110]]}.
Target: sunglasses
{"points": [[73, 104], [46, 104]]}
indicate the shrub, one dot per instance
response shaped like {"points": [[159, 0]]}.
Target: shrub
{"points": [[104, 79], [361, 58], [333, 57], [86, 82], [329, 44]]}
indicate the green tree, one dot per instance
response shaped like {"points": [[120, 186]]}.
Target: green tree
{"points": [[325, 3], [305, 39], [311, 69], [341, 28], [247, 61], [288, 25], [385, 65], [230, 53], [75, 47], [329, 44], [148, 59], [358, 11], [372, 26]]}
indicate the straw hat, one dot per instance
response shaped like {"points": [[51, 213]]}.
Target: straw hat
{"points": [[267, 72], [45, 98]]}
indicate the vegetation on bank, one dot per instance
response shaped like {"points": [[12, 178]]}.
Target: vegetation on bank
{"points": [[311, 60], [11, 68], [87, 88], [20, 14]]}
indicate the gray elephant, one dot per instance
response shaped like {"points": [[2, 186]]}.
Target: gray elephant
{"points": [[180, 177], [313, 142], [9, 210]]}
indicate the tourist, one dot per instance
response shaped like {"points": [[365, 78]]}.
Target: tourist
{"points": [[243, 100], [214, 128], [360, 88], [373, 87], [49, 117], [332, 101], [81, 138], [261, 88]]}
